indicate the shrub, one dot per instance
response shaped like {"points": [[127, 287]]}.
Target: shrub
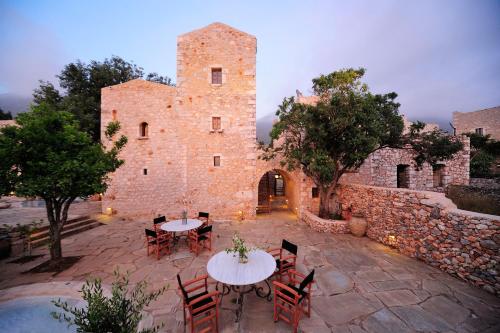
{"points": [[480, 164], [120, 313]]}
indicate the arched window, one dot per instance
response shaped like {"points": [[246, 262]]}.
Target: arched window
{"points": [[143, 130], [114, 115]]}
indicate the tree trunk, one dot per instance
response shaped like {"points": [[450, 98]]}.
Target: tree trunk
{"points": [[324, 209], [325, 192], [56, 221]]}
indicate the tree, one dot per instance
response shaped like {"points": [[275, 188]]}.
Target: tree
{"points": [[337, 134], [83, 83], [5, 115], [484, 151], [46, 155]]}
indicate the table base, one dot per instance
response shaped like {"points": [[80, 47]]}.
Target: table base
{"points": [[240, 290]]}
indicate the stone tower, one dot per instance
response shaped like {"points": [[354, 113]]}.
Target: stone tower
{"points": [[196, 141], [216, 106]]}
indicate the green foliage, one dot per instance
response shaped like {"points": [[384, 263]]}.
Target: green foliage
{"points": [[46, 155], [338, 133], [120, 313], [5, 115], [432, 146], [342, 129], [83, 83], [484, 151], [480, 164]]}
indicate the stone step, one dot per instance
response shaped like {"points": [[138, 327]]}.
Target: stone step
{"points": [[72, 225], [72, 230], [68, 222]]}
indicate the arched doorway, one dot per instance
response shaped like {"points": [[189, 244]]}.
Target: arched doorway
{"points": [[276, 192]]}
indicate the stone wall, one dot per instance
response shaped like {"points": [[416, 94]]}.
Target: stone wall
{"points": [[487, 119], [428, 226], [486, 183], [153, 176], [324, 225], [380, 169]]}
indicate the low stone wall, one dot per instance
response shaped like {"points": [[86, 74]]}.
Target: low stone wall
{"points": [[324, 225], [486, 183], [428, 226]]}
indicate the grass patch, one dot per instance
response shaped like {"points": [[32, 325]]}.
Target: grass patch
{"points": [[475, 199]]}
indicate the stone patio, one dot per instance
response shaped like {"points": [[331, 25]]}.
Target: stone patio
{"points": [[362, 286]]}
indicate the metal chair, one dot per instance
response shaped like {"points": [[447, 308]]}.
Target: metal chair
{"points": [[286, 258], [293, 299], [202, 306]]}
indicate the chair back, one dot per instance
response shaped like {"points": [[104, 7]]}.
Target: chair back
{"points": [[308, 279], [203, 214], [184, 292], [290, 247], [159, 219], [150, 233], [204, 230]]}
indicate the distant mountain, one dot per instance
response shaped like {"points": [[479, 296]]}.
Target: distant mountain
{"points": [[443, 124], [264, 126], [15, 103]]}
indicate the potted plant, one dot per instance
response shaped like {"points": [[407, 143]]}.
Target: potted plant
{"points": [[347, 213], [358, 225], [240, 249]]}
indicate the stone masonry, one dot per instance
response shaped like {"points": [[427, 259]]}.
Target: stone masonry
{"points": [[488, 120], [175, 153], [174, 157], [428, 226]]}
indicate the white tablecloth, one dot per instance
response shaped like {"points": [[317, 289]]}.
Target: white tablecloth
{"points": [[177, 226], [224, 267]]}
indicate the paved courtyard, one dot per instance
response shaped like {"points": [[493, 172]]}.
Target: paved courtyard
{"points": [[362, 286]]}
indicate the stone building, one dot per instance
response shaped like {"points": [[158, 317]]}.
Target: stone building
{"points": [[394, 168], [483, 122], [194, 145]]}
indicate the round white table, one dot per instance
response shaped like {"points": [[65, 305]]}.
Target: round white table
{"points": [[177, 226], [225, 268]]}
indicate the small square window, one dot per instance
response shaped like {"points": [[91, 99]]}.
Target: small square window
{"points": [[145, 172], [315, 192], [479, 131], [216, 75], [216, 124], [216, 161]]}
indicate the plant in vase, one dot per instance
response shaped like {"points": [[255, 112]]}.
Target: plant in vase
{"points": [[184, 216], [239, 248], [186, 200]]}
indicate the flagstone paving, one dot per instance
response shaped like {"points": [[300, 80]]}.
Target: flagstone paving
{"points": [[362, 286]]}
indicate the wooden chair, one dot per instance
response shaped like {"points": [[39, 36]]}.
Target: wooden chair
{"points": [[157, 222], [204, 217], [159, 242], [286, 258], [291, 300], [202, 306], [199, 238]]}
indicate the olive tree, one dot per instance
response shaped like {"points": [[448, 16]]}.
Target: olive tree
{"points": [[337, 133], [46, 155]]}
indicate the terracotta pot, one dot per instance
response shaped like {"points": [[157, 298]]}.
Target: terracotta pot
{"points": [[346, 214], [358, 224]]}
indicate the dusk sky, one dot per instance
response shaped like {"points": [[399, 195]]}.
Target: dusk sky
{"points": [[439, 56]]}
